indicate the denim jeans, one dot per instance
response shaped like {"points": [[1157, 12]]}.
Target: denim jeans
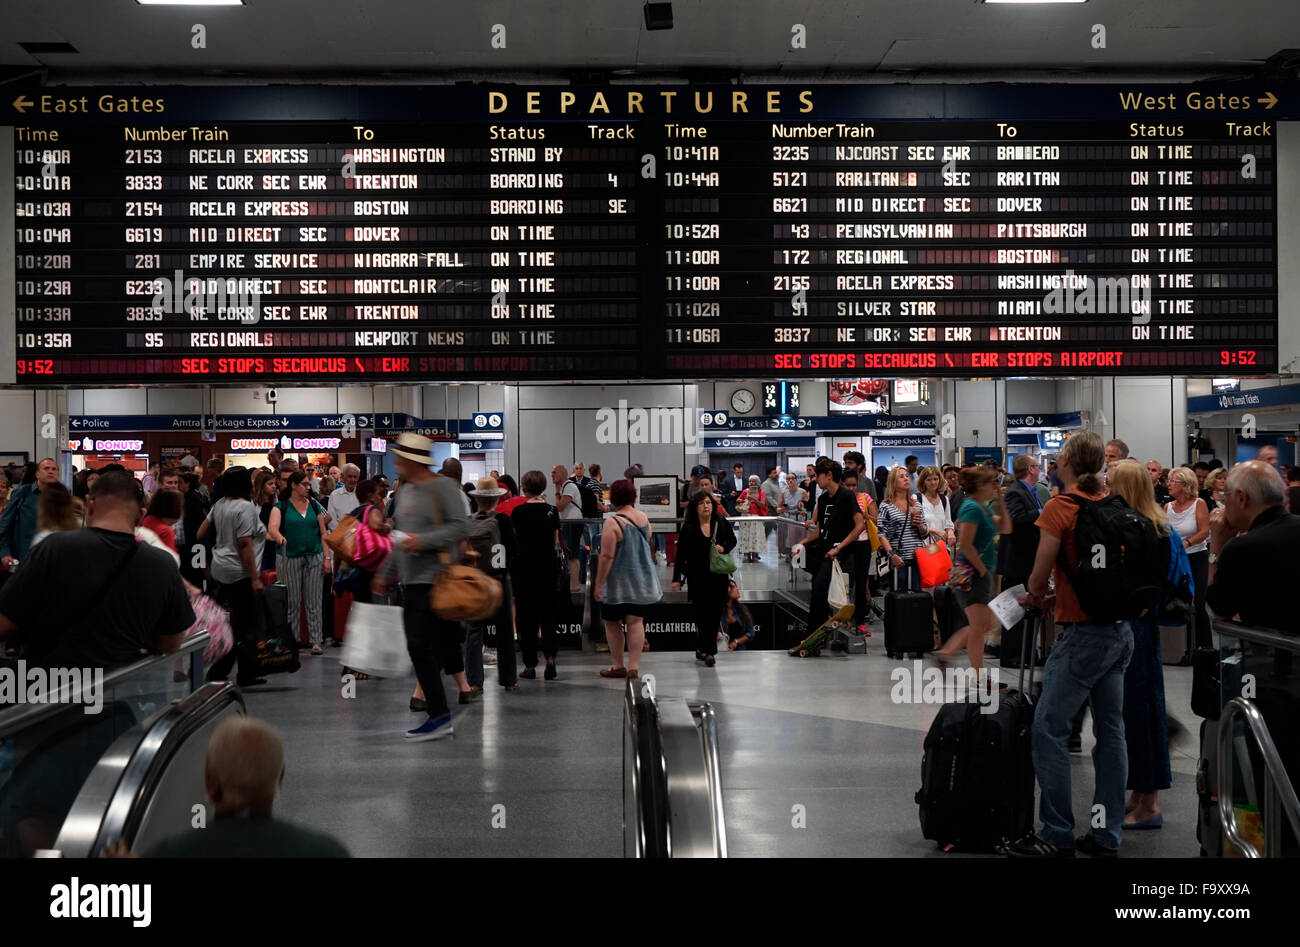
{"points": [[1086, 663]]}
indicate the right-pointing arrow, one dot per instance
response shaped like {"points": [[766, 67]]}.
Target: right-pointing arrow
{"points": [[22, 104], [1269, 100]]}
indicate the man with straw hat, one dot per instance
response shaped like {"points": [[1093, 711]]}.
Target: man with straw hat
{"points": [[431, 521]]}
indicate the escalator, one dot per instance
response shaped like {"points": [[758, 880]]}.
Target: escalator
{"points": [[672, 792], [149, 785], [120, 757]]}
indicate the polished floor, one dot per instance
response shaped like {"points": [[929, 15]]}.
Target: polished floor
{"points": [[538, 772]]}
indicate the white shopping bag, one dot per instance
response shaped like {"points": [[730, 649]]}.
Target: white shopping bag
{"points": [[837, 596], [376, 641]]}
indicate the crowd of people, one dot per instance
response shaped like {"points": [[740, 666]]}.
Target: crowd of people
{"points": [[143, 549]]}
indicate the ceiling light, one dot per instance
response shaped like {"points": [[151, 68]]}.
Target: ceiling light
{"points": [[1034, 1], [190, 3]]}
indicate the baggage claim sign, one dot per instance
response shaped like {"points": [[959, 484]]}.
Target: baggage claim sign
{"points": [[494, 232]]}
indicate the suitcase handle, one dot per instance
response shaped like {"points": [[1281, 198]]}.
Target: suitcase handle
{"points": [[1033, 625], [902, 568]]}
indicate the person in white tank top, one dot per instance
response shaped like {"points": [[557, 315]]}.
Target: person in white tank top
{"points": [[1190, 518]]}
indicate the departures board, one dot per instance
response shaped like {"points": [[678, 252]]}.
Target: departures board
{"points": [[490, 232]]}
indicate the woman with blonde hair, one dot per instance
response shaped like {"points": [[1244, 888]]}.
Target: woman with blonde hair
{"points": [[1145, 729], [934, 505], [1216, 482], [1190, 518], [901, 524]]}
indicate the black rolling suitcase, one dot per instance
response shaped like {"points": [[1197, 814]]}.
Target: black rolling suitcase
{"points": [[977, 774], [948, 612], [909, 629]]}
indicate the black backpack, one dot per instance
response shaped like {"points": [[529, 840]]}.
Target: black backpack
{"points": [[1123, 562], [590, 501]]}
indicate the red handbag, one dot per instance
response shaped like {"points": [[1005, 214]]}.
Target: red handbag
{"points": [[935, 565]]}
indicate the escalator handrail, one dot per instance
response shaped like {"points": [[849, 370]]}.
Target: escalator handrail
{"points": [[1264, 636], [1275, 773], [649, 785], [119, 790], [695, 828], [709, 737], [22, 716]]}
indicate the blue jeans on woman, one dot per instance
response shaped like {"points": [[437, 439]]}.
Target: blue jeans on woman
{"points": [[1087, 663]]}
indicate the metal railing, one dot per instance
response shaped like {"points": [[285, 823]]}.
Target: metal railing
{"points": [[21, 716], [1279, 791], [1279, 794], [118, 800], [672, 804]]}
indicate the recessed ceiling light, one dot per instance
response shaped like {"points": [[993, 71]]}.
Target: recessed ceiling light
{"points": [[190, 3], [1034, 1]]}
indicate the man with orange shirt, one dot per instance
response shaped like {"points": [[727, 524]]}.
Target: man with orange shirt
{"points": [[1087, 663]]}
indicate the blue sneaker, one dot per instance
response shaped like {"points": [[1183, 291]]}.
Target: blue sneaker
{"points": [[431, 729]]}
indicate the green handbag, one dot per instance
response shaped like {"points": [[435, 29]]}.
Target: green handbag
{"points": [[720, 563]]}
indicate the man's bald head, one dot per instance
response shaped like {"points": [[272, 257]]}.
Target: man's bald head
{"points": [[451, 468], [245, 765], [1259, 481]]}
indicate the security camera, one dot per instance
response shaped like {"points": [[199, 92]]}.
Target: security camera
{"points": [[272, 396]]}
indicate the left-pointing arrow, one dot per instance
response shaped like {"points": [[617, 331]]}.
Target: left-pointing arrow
{"points": [[22, 104]]}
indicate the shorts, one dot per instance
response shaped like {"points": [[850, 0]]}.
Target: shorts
{"points": [[572, 533], [620, 613], [981, 591]]}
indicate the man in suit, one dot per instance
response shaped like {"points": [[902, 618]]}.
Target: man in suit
{"points": [[1016, 552], [737, 484]]}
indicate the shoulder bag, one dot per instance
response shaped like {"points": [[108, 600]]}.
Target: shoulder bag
{"points": [[371, 548], [462, 593], [720, 563], [633, 579], [342, 540]]}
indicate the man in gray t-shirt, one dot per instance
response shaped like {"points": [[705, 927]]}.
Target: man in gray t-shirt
{"points": [[233, 519]]}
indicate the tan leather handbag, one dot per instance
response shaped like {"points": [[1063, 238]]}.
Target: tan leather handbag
{"points": [[343, 540], [462, 593]]}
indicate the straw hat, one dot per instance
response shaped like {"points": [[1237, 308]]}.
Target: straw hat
{"points": [[414, 447], [487, 487]]}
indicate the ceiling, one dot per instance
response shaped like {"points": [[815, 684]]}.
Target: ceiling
{"points": [[312, 39]]}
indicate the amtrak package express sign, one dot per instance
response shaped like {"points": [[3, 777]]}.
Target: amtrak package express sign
{"points": [[214, 235]]}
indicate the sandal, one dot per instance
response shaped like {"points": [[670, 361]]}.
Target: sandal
{"points": [[614, 672], [632, 675], [317, 649], [357, 675]]}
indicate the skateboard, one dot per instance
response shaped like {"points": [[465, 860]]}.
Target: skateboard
{"points": [[812, 645]]}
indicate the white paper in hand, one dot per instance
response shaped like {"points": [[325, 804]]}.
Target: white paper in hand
{"points": [[376, 641], [1007, 606]]}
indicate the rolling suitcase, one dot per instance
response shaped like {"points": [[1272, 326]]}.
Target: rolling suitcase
{"points": [[909, 628], [950, 615], [1173, 645], [977, 772]]}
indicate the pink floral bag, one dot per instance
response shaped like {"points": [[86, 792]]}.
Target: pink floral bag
{"points": [[211, 617], [371, 549]]}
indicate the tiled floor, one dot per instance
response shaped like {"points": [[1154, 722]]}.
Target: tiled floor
{"points": [[538, 772]]}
